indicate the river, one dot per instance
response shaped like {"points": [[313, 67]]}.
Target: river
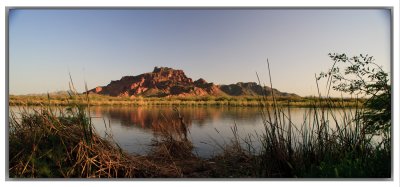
{"points": [[210, 128]]}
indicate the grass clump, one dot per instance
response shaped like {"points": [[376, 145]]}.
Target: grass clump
{"points": [[48, 143], [235, 161]]}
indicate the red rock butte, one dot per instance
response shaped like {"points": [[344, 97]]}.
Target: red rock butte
{"points": [[166, 82]]}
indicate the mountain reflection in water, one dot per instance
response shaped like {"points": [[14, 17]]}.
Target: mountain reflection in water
{"points": [[134, 127], [151, 117]]}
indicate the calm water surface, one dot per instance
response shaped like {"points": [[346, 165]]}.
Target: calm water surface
{"points": [[133, 128]]}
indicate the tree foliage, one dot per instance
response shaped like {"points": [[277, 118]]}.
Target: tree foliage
{"points": [[361, 76]]}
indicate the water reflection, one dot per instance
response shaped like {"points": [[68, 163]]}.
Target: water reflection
{"points": [[134, 127], [151, 117]]}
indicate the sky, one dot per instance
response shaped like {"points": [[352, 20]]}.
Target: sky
{"points": [[223, 46]]}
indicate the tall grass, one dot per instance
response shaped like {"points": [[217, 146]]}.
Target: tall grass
{"points": [[45, 144], [327, 143], [171, 139]]}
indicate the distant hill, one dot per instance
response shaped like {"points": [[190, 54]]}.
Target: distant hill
{"points": [[165, 82], [56, 93], [252, 89]]}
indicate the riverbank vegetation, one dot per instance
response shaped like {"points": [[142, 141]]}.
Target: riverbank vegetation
{"points": [[57, 143], [52, 144], [103, 100]]}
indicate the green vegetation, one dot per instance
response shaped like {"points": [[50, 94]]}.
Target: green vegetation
{"points": [[319, 149], [102, 100], [355, 145], [363, 77], [53, 143]]}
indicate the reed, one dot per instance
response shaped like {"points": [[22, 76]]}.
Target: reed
{"points": [[325, 144], [171, 139]]}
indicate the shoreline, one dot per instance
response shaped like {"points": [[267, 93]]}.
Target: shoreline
{"points": [[253, 101]]}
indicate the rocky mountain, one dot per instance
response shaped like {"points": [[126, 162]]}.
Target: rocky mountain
{"points": [[165, 82]]}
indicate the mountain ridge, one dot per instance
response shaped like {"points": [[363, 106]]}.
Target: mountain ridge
{"points": [[167, 82]]}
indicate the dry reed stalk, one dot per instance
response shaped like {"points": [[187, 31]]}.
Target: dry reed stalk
{"points": [[32, 141]]}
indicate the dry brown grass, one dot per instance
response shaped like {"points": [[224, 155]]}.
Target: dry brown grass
{"points": [[43, 144]]}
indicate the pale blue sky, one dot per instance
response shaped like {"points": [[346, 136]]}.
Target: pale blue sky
{"points": [[221, 46]]}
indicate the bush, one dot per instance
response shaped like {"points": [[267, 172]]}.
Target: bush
{"points": [[364, 78]]}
